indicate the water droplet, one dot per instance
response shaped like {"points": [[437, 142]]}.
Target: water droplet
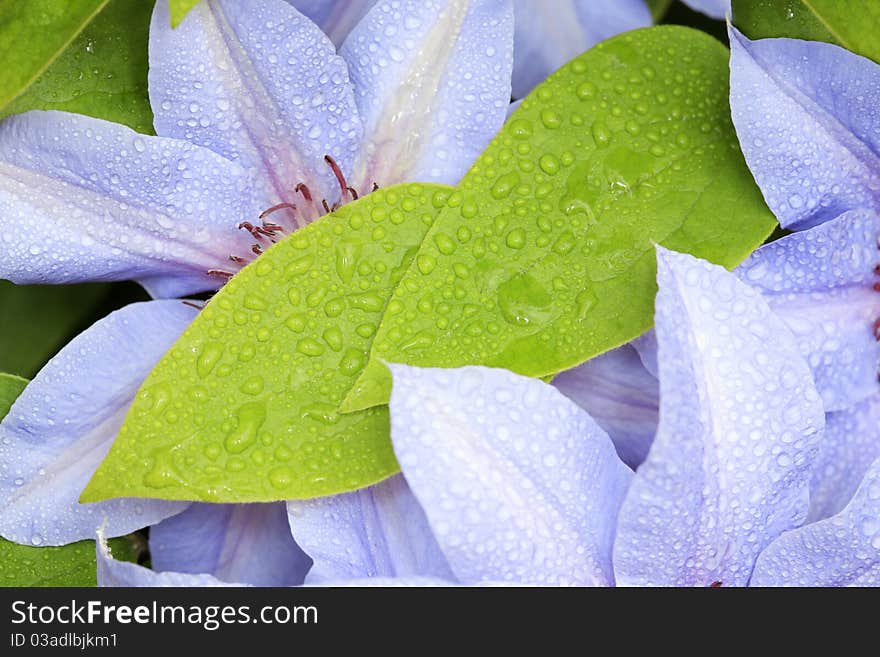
{"points": [[551, 119], [516, 239], [208, 358], [368, 301], [333, 338], [253, 385], [347, 256], [250, 417], [505, 185], [445, 244], [352, 362], [586, 90], [296, 323], [321, 412], [426, 263], [309, 347], [523, 300]]}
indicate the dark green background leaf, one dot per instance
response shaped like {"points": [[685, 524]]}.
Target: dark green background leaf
{"points": [[103, 73], [33, 33], [853, 24]]}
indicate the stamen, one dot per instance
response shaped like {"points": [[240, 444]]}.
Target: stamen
{"points": [[276, 208], [375, 187], [256, 249], [877, 329], [340, 178], [353, 192], [326, 207], [303, 189], [238, 260], [715, 585], [220, 273], [192, 304]]}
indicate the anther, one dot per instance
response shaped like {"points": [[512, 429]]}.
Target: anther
{"points": [[303, 189], [326, 207], [220, 273], [192, 305], [715, 585], [353, 193], [877, 329], [375, 186], [340, 178], [876, 287], [877, 270], [238, 260], [257, 249]]}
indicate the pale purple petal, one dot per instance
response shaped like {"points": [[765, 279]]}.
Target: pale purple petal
{"points": [[843, 550], [259, 83], [549, 34], [851, 443], [621, 395], [386, 582], [740, 423], [713, 8], [806, 117], [432, 83], [61, 427], [89, 200], [517, 482], [820, 283], [123, 573], [247, 543], [336, 18], [380, 531], [646, 346]]}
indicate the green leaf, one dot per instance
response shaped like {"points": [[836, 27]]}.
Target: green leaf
{"points": [[542, 258], [36, 320], [33, 34], [102, 73], [10, 388], [70, 565], [658, 9], [853, 24], [179, 9], [545, 255], [243, 408]]}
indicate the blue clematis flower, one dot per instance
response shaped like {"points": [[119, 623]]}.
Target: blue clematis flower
{"points": [[255, 112], [806, 118], [506, 480], [248, 102], [548, 34]]}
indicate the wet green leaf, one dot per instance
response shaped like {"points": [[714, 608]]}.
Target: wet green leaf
{"points": [[853, 24], [244, 406], [545, 255], [179, 10]]}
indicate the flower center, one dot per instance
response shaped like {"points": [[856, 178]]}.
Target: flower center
{"points": [[288, 217]]}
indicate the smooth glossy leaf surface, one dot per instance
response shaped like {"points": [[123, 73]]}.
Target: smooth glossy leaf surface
{"points": [[102, 73], [544, 257], [853, 24], [33, 34], [244, 406]]}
